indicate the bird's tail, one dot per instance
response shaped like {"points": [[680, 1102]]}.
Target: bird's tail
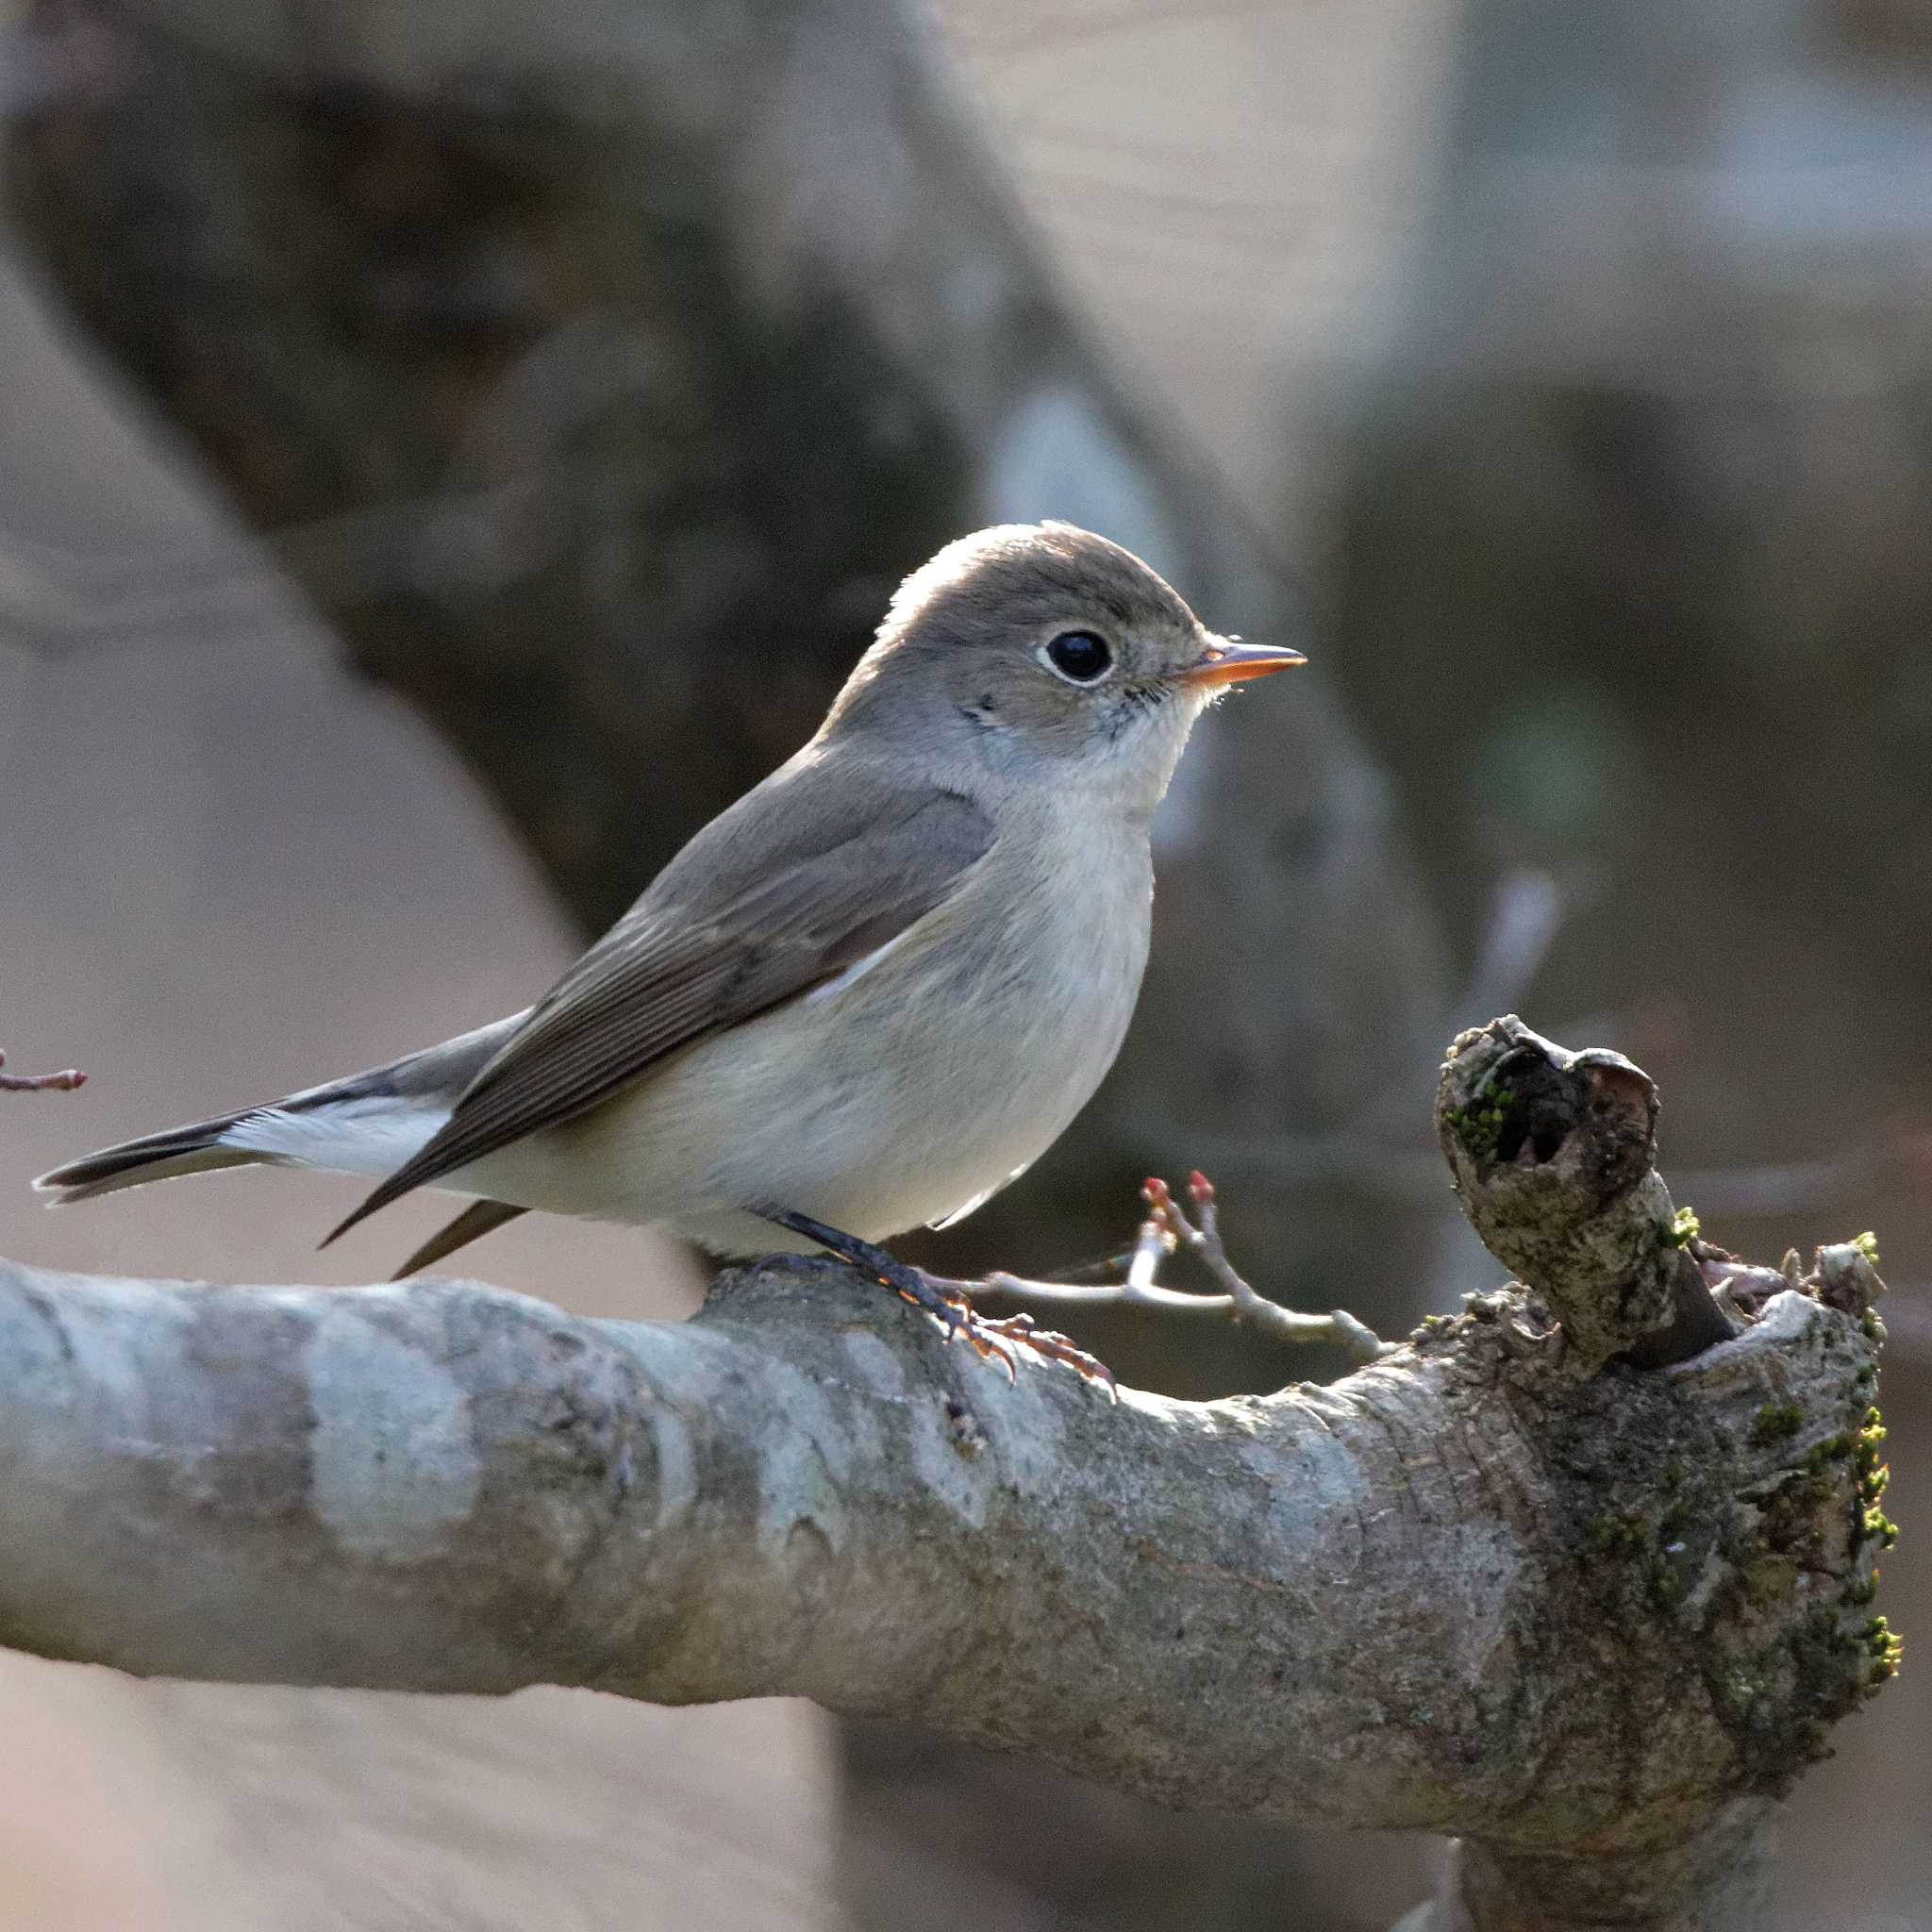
{"points": [[367, 1124], [198, 1148]]}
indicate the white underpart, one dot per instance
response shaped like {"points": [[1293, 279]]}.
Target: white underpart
{"points": [[878, 1108], [372, 1137]]}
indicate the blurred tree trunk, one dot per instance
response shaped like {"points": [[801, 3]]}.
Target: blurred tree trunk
{"points": [[598, 369], [1632, 557]]}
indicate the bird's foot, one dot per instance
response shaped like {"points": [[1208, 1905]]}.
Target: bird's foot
{"points": [[1024, 1332], [948, 1304]]}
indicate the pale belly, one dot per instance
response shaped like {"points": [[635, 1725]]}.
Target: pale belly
{"points": [[889, 1103]]}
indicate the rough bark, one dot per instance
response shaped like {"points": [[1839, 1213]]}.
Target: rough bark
{"points": [[599, 367], [1591, 1616]]}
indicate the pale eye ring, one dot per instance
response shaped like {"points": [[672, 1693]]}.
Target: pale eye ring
{"points": [[1081, 656]]}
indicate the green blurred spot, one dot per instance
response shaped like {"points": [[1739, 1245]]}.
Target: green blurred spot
{"points": [[1555, 768]]}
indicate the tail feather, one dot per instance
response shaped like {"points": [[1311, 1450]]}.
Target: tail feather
{"points": [[367, 1124], [194, 1149]]}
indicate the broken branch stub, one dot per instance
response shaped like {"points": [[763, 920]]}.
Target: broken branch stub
{"points": [[1552, 1153]]}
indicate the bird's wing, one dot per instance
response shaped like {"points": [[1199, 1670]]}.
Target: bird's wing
{"points": [[722, 935], [478, 1218]]}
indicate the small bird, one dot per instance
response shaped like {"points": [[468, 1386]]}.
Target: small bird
{"points": [[864, 997]]}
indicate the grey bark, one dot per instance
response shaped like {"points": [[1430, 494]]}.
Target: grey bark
{"points": [[1590, 1616]]}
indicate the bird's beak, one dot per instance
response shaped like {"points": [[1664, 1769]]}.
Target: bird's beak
{"points": [[1228, 661]]}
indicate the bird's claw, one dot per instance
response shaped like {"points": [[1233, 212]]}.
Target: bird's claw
{"points": [[991, 1339], [1024, 1332], [956, 1315]]}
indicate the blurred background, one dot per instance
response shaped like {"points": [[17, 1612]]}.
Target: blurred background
{"points": [[446, 453]]}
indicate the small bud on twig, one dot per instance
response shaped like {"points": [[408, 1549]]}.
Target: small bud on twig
{"points": [[65, 1081]]}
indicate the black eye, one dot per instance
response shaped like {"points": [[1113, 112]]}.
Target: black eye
{"points": [[1079, 654]]}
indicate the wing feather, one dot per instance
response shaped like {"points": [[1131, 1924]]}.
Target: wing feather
{"points": [[707, 947]]}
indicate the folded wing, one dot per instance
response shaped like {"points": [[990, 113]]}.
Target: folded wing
{"points": [[731, 930]]}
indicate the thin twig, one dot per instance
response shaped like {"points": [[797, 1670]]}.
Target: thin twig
{"points": [[1166, 1228], [1527, 908], [65, 1081]]}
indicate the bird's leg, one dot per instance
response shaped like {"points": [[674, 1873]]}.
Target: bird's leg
{"points": [[945, 1301]]}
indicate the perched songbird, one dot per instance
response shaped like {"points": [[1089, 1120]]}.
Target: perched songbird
{"points": [[864, 997]]}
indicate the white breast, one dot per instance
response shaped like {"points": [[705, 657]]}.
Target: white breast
{"points": [[892, 1096]]}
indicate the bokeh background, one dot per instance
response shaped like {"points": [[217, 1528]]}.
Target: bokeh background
{"points": [[423, 499]]}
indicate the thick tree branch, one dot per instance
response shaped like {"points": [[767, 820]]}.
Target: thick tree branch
{"points": [[1504, 1583]]}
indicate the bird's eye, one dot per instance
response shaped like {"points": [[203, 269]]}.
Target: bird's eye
{"points": [[1079, 654]]}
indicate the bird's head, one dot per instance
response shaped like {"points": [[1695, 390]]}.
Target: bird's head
{"points": [[1042, 648]]}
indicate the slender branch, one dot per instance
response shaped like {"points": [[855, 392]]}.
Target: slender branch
{"points": [[64, 1082], [1527, 908], [1166, 1228]]}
